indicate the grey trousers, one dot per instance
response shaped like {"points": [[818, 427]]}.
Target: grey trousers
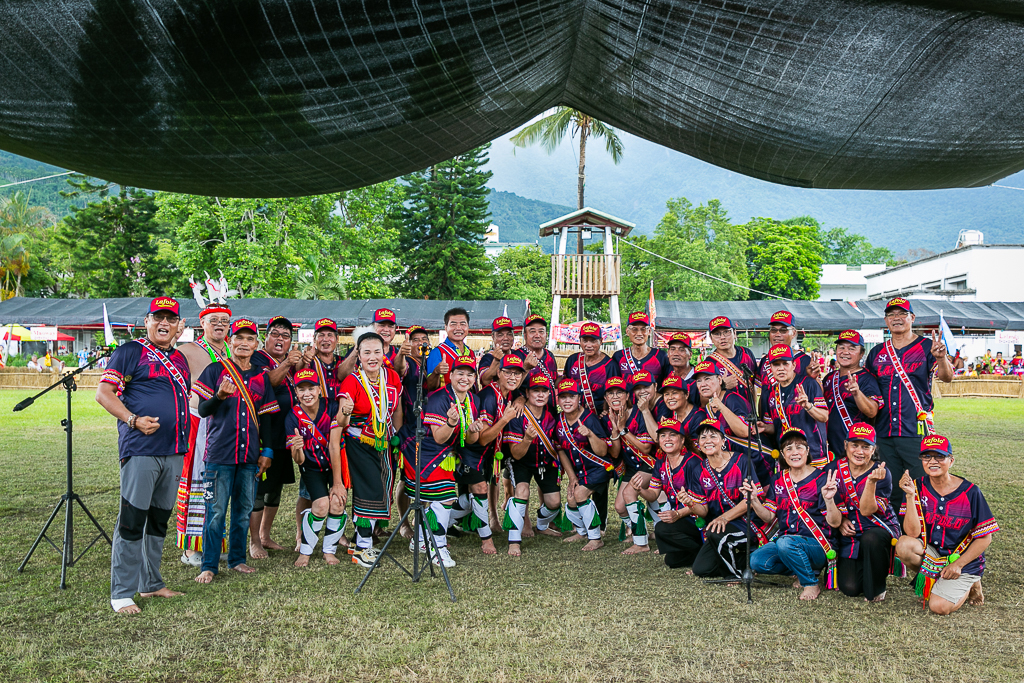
{"points": [[149, 488]]}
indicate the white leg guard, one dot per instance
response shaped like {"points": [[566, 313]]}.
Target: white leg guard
{"points": [[574, 516], [461, 508], [481, 513], [515, 518], [438, 517], [311, 526], [636, 520], [335, 528], [545, 516], [364, 532], [591, 520]]}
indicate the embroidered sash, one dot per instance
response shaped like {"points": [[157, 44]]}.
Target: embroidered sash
{"points": [[630, 362], [585, 453], [897, 364], [212, 352], [851, 493], [243, 390], [762, 535], [450, 356], [545, 441], [171, 369], [729, 365], [837, 396], [588, 394]]}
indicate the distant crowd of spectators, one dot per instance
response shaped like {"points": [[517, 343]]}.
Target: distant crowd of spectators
{"points": [[993, 365]]}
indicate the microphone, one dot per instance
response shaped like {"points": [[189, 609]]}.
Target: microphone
{"points": [[24, 404]]}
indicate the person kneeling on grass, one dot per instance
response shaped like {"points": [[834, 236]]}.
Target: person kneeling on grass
{"points": [[948, 546], [870, 528], [316, 447], [639, 457], [801, 498], [235, 457], [583, 449], [679, 539]]}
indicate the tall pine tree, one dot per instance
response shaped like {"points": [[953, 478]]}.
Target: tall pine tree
{"points": [[444, 219]]}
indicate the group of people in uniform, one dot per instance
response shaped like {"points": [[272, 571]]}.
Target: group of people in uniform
{"points": [[217, 424]]}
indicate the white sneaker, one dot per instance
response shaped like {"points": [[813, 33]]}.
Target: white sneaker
{"points": [[445, 558], [193, 560], [365, 558], [412, 546]]}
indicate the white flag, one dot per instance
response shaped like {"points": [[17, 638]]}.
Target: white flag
{"points": [[108, 332], [946, 334]]}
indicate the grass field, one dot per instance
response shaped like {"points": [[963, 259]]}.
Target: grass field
{"points": [[555, 614]]}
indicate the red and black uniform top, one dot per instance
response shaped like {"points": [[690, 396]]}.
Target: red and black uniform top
{"points": [[330, 385], [432, 451], [764, 377], [155, 383], [791, 414], [490, 405], [538, 455], [548, 367], [276, 436], [634, 459], [949, 519], [898, 415], [676, 480], [597, 378], [720, 490], [836, 392], [848, 502], [624, 364], [741, 365], [590, 468], [234, 435], [690, 422], [315, 433], [808, 494]]}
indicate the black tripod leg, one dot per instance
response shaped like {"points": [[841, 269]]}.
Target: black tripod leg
{"points": [[68, 551], [93, 519], [384, 551], [42, 534]]}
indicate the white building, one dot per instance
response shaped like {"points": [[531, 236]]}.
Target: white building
{"points": [[840, 282], [974, 272]]}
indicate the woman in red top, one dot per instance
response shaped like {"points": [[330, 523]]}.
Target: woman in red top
{"points": [[370, 415]]}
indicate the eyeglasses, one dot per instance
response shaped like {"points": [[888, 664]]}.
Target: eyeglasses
{"points": [[173, 319], [218, 321], [934, 456], [280, 335], [897, 314]]}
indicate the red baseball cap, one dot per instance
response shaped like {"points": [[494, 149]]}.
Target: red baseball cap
{"points": [[307, 376], [280, 320], [851, 337], [413, 329], [779, 352], [214, 308], [899, 302], [784, 317], [790, 434], [720, 321], [502, 323], [640, 379], [464, 362], [535, 318], [707, 367], [590, 330], [165, 303], [639, 318], [861, 431], [511, 361], [384, 315], [936, 443], [680, 338], [540, 381], [710, 423], [325, 323], [673, 382], [244, 324], [568, 386], [670, 424], [614, 383]]}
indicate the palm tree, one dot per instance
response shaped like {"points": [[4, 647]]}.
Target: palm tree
{"points": [[313, 282], [18, 221], [13, 264], [551, 130]]}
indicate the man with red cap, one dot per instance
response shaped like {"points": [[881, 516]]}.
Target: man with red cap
{"points": [[234, 395], [583, 447], [536, 358], [502, 338], [737, 362], [679, 352], [321, 356], [529, 446], [796, 404], [640, 357], [947, 529], [851, 392], [146, 386], [211, 347], [385, 323], [480, 460], [903, 366]]}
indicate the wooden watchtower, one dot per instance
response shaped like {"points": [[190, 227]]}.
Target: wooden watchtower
{"points": [[586, 276]]}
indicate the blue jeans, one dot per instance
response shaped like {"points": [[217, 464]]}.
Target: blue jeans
{"points": [[224, 482], [801, 555]]}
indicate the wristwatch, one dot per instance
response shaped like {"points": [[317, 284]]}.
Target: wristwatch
{"points": [[623, 433]]}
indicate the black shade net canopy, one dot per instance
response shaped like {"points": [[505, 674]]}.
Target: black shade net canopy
{"points": [[254, 98]]}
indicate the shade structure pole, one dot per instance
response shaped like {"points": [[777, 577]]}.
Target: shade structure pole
{"points": [[557, 272]]}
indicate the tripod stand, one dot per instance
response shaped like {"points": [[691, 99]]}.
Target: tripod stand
{"points": [[747, 577], [415, 509], [67, 552]]}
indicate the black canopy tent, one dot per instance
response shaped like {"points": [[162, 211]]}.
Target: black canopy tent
{"points": [[428, 313], [293, 97], [835, 316]]}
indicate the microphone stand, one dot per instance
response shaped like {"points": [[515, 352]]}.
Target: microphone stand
{"points": [[416, 507], [67, 551]]}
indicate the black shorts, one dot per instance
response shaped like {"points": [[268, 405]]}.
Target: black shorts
{"points": [[546, 482], [468, 477], [632, 469], [318, 482]]}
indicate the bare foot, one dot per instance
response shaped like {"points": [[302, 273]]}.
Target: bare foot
{"points": [[405, 531], [546, 532], [574, 538], [129, 609], [270, 544], [689, 572], [593, 545], [495, 523], [487, 547], [344, 543], [636, 550], [796, 583], [880, 597], [331, 559], [514, 550], [297, 547], [244, 569], [527, 531], [164, 592], [205, 577], [303, 561], [810, 592], [975, 596], [257, 552]]}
